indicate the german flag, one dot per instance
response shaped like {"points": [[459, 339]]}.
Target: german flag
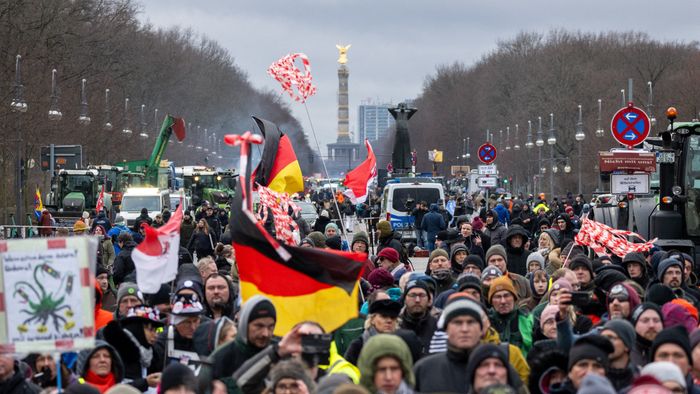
{"points": [[279, 168], [303, 283]]}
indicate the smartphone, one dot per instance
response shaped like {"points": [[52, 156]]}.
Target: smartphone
{"points": [[316, 349], [580, 298]]}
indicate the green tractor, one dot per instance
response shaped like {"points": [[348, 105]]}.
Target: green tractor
{"points": [[72, 192]]}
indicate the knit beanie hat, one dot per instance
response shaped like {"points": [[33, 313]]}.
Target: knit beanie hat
{"points": [[318, 238], [474, 259], [380, 278], [581, 261], [647, 384], [549, 312], [606, 278], [502, 283], [389, 253], [290, 369], [417, 283], [677, 335], [537, 257], [469, 281], [660, 294], [100, 270], [595, 384], [78, 388], [334, 242], [663, 371], [665, 265], [460, 306], [385, 227], [491, 271], [591, 347], [559, 284], [176, 375], [360, 236], [307, 241], [624, 330], [261, 309], [676, 315], [129, 288], [634, 257], [553, 234], [438, 252], [643, 307], [496, 250], [120, 388]]}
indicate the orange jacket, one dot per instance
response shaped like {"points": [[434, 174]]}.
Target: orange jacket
{"points": [[102, 317]]}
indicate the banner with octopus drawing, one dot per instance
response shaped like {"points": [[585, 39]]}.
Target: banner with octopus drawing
{"points": [[46, 294]]}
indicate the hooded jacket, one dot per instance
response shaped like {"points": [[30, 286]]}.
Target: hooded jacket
{"points": [[496, 231], [128, 351], [123, 263], [83, 363], [230, 357], [207, 335], [433, 222], [102, 317], [517, 257], [379, 346]]}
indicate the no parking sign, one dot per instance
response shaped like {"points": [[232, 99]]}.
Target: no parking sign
{"points": [[630, 126]]}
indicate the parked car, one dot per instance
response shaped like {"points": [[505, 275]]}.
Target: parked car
{"points": [[308, 212]]}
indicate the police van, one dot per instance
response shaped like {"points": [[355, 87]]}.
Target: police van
{"points": [[400, 198]]}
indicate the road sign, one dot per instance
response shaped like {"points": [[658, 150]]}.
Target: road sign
{"points": [[627, 161], [488, 170], [454, 170], [629, 183], [487, 182], [64, 156], [487, 153], [630, 126]]}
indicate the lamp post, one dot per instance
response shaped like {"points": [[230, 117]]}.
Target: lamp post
{"points": [[469, 155], [579, 136], [551, 141], [599, 132], [83, 119], [650, 105], [500, 138], [540, 143], [189, 127], [529, 145], [206, 139], [143, 133], [622, 91], [464, 151], [108, 124], [55, 113], [516, 146], [19, 106], [126, 129], [198, 146], [508, 138]]}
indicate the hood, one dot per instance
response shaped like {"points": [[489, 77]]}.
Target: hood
{"points": [[207, 335], [433, 207], [379, 346], [98, 297], [517, 229], [244, 317], [84, 356]]}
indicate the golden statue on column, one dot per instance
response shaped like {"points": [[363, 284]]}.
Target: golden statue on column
{"points": [[343, 52]]}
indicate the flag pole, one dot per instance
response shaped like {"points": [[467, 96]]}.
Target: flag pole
{"points": [[325, 169]]}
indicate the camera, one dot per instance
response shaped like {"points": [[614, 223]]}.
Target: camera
{"points": [[316, 349]]}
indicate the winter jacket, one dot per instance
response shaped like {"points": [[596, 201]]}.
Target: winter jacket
{"points": [[207, 335], [418, 215], [114, 234], [143, 218], [503, 214], [443, 372], [128, 351], [101, 220], [517, 257], [108, 255], [514, 328], [424, 327], [433, 222], [84, 356], [123, 264], [18, 384], [202, 244], [186, 230], [46, 221], [515, 355], [393, 240], [496, 232], [214, 227], [526, 219]]}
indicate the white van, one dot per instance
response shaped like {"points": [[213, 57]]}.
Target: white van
{"points": [[399, 199], [137, 198]]}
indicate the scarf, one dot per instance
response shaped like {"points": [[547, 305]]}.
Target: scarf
{"points": [[102, 383], [146, 355], [369, 333]]}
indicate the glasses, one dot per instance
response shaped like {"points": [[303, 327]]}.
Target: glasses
{"points": [[415, 296]]}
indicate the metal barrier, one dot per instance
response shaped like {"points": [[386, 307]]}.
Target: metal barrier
{"points": [[11, 231]]}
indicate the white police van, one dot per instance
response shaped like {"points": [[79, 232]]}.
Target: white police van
{"points": [[400, 198]]}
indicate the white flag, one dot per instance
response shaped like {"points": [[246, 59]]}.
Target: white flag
{"points": [[156, 257]]}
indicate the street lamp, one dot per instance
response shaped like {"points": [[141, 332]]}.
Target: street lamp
{"points": [[551, 140], [579, 136], [540, 139], [567, 169], [517, 145], [529, 144], [189, 127], [500, 138], [508, 138], [55, 113], [108, 125], [469, 155], [650, 105], [143, 133], [198, 146], [83, 119], [206, 139], [555, 168], [126, 129], [599, 132], [18, 104]]}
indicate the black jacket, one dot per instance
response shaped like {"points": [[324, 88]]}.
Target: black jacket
{"points": [[129, 353], [424, 327], [123, 264], [201, 243], [443, 372], [517, 257]]}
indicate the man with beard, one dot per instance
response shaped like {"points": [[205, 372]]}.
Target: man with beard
{"points": [[622, 369], [670, 273], [622, 299], [583, 268], [12, 379], [219, 296], [497, 256], [648, 323], [416, 314]]}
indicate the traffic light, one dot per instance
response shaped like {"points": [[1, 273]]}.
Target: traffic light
{"points": [[505, 181]]}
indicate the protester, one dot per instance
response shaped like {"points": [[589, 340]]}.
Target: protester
{"points": [[100, 366], [417, 314], [382, 319], [386, 366]]}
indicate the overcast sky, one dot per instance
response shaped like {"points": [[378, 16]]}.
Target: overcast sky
{"points": [[396, 44]]}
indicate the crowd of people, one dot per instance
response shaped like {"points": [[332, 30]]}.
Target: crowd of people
{"points": [[508, 303]]}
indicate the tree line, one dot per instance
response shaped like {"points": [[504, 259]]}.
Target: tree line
{"points": [[174, 70]]}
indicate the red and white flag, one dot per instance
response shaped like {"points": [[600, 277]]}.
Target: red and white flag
{"points": [[359, 179], [100, 200], [156, 257]]}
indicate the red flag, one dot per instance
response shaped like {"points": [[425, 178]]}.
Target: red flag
{"points": [[101, 200], [156, 258], [359, 179]]}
